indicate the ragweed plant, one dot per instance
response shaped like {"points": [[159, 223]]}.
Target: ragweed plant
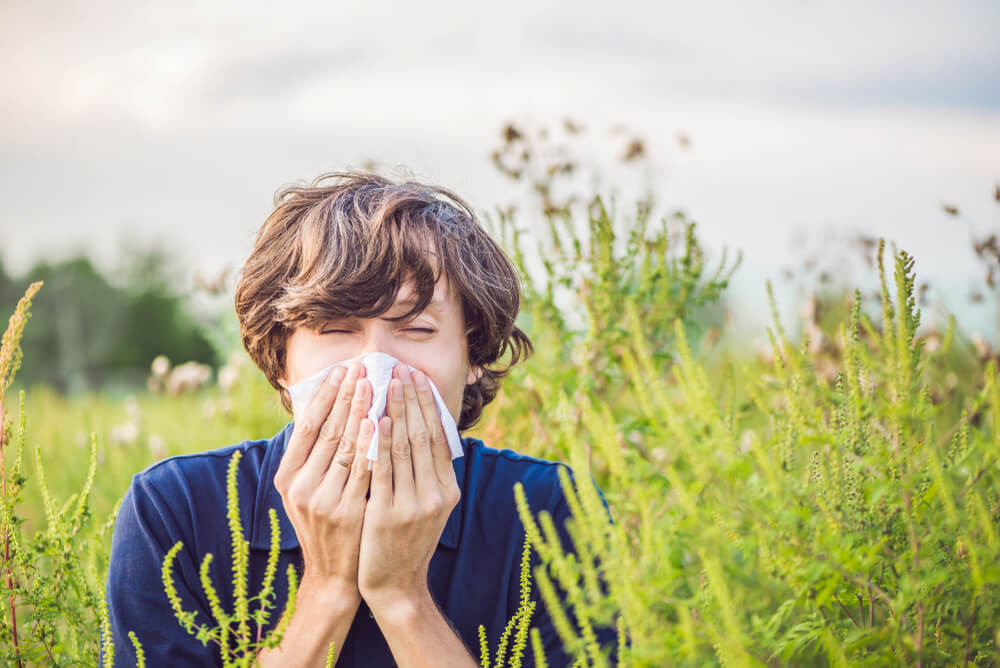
{"points": [[518, 624], [583, 263], [51, 575], [809, 523], [232, 632]]}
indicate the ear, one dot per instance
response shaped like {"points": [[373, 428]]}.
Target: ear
{"points": [[475, 373]]}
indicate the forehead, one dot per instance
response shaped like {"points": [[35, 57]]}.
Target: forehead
{"points": [[443, 299]]}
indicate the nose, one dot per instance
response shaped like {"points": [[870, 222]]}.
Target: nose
{"points": [[377, 339]]}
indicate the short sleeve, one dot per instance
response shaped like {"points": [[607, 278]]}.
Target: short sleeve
{"points": [[145, 530], [555, 655]]}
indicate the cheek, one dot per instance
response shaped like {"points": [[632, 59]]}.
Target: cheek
{"points": [[450, 381], [307, 356]]}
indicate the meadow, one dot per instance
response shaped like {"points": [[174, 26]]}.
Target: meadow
{"points": [[834, 500]]}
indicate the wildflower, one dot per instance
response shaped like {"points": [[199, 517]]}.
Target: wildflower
{"points": [[228, 377], [160, 366], [157, 446], [124, 434], [187, 377]]}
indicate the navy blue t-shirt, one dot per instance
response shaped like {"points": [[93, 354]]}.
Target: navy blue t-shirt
{"points": [[474, 575]]}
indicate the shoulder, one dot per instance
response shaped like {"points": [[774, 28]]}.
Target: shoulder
{"points": [[200, 473], [494, 472], [186, 491], [542, 479]]}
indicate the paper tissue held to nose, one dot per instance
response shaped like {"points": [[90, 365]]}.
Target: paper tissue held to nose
{"points": [[378, 367]]}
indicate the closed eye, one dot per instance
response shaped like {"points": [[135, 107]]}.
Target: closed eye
{"points": [[422, 330]]}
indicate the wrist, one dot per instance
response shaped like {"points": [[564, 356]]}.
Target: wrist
{"points": [[331, 594], [399, 607]]}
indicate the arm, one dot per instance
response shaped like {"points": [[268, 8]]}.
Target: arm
{"points": [[419, 635], [322, 616]]}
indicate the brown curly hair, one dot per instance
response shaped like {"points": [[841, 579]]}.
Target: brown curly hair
{"points": [[343, 245]]}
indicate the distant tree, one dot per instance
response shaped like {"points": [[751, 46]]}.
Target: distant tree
{"points": [[91, 332]]}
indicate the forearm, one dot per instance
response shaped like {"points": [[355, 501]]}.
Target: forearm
{"points": [[322, 615], [419, 635]]}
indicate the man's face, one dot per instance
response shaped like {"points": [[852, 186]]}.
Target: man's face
{"points": [[433, 341]]}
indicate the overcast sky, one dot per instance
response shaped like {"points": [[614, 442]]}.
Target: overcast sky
{"points": [[178, 123]]}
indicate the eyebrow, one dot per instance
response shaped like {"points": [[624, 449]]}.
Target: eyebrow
{"points": [[436, 304]]}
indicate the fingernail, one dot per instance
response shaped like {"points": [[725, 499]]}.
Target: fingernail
{"points": [[419, 379], [404, 374], [338, 375], [397, 391]]}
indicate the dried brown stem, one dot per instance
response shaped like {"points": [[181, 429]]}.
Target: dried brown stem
{"points": [[846, 611], [6, 536]]}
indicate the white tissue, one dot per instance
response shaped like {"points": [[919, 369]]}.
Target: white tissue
{"points": [[379, 372]]}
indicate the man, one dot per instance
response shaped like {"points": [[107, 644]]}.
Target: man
{"points": [[398, 564]]}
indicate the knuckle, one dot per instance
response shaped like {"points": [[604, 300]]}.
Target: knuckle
{"points": [[421, 436], [346, 392], [298, 496], [317, 506], [401, 450], [305, 428], [407, 516], [434, 505], [328, 392], [329, 432]]}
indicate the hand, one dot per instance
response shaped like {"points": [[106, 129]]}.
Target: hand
{"points": [[325, 500], [413, 491]]}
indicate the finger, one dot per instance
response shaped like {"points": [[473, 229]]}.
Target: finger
{"points": [[341, 463], [440, 451], [381, 474], [353, 494], [420, 444], [351, 446], [402, 468], [331, 434], [305, 432]]}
